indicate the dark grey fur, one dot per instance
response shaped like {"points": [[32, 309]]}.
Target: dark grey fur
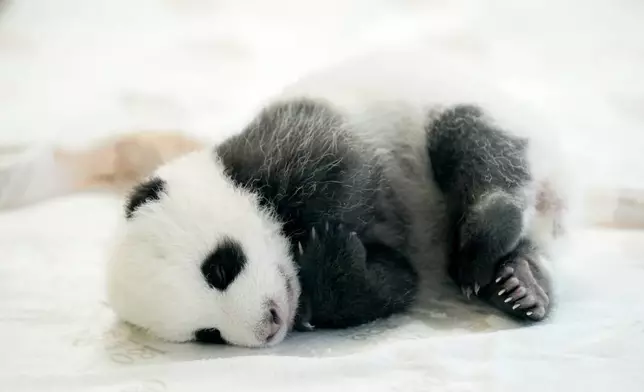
{"points": [[299, 158], [359, 207], [483, 172]]}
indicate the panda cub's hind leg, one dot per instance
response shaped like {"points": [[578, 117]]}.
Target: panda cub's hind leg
{"points": [[483, 173]]}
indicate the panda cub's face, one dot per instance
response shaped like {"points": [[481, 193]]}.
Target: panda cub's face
{"points": [[199, 259]]}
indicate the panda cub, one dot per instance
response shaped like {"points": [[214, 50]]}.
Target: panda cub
{"points": [[323, 211]]}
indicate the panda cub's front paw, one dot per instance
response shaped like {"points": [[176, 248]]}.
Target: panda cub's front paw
{"points": [[331, 245], [331, 255]]}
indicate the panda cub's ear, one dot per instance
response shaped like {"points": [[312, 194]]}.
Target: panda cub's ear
{"points": [[143, 193]]}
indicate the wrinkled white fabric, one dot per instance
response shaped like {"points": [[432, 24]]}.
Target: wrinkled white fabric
{"points": [[73, 70]]}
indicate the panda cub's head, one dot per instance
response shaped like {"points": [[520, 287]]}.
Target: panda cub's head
{"points": [[198, 259]]}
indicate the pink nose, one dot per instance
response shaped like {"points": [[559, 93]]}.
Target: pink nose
{"points": [[275, 322]]}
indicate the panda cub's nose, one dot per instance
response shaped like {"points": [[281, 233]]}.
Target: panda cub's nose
{"points": [[275, 321]]}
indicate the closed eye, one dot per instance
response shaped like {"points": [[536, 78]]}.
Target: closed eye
{"points": [[221, 273], [222, 266]]}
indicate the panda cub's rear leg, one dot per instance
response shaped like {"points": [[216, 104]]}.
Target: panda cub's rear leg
{"points": [[484, 175]]}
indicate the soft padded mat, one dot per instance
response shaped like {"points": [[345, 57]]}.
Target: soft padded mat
{"points": [[58, 334], [72, 70]]}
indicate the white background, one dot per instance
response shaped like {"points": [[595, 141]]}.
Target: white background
{"points": [[71, 70]]}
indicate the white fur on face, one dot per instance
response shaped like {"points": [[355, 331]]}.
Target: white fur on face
{"points": [[154, 276]]}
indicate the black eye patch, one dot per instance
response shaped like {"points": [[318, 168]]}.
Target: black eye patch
{"points": [[143, 193], [223, 265], [209, 336]]}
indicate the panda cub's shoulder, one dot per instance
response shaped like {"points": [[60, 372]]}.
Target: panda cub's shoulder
{"points": [[305, 162]]}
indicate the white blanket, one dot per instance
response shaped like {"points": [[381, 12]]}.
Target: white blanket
{"points": [[58, 334], [71, 70]]}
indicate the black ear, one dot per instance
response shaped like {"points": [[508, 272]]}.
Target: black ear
{"points": [[143, 193], [222, 266]]}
